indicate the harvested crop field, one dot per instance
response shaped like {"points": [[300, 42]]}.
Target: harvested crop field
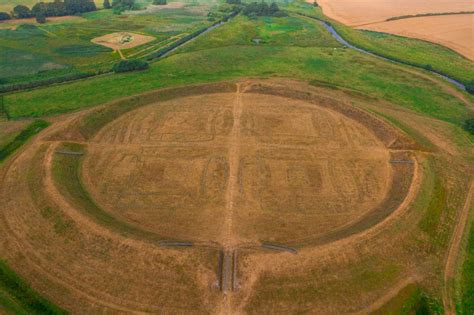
{"points": [[122, 40], [359, 12], [453, 31], [284, 196]]}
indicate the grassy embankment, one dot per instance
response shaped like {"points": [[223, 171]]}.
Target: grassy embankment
{"points": [[406, 50], [228, 53], [17, 297], [32, 129], [66, 172]]}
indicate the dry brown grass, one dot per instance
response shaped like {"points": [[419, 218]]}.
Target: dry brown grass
{"points": [[357, 12], [270, 160], [453, 31]]}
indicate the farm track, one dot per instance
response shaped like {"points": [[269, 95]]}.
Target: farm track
{"points": [[234, 159], [453, 253]]}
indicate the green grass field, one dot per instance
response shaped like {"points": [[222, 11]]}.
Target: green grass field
{"points": [[32, 51], [412, 51], [204, 60]]}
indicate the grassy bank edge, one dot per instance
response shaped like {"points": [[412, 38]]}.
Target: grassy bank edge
{"points": [[17, 297], [32, 129]]}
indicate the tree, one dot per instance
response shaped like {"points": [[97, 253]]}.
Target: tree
{"points": [[255, 9], [123, 4], [130, 65], [56, 8], [79, 6], [159, 2], [22, 12], [39, 9], [469, 125], [470, 87], [107, 4], [4, 16], [273, 8], [40, 18]]}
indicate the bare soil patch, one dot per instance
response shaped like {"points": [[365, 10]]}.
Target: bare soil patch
{"points": [[357, 12], [122, 40], [453, 31]]}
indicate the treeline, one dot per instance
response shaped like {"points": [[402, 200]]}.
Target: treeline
{"points": [[254, 9], [47, 9]]}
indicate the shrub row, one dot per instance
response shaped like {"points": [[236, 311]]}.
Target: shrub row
{"points": [[55, 80], [130, 65]]}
